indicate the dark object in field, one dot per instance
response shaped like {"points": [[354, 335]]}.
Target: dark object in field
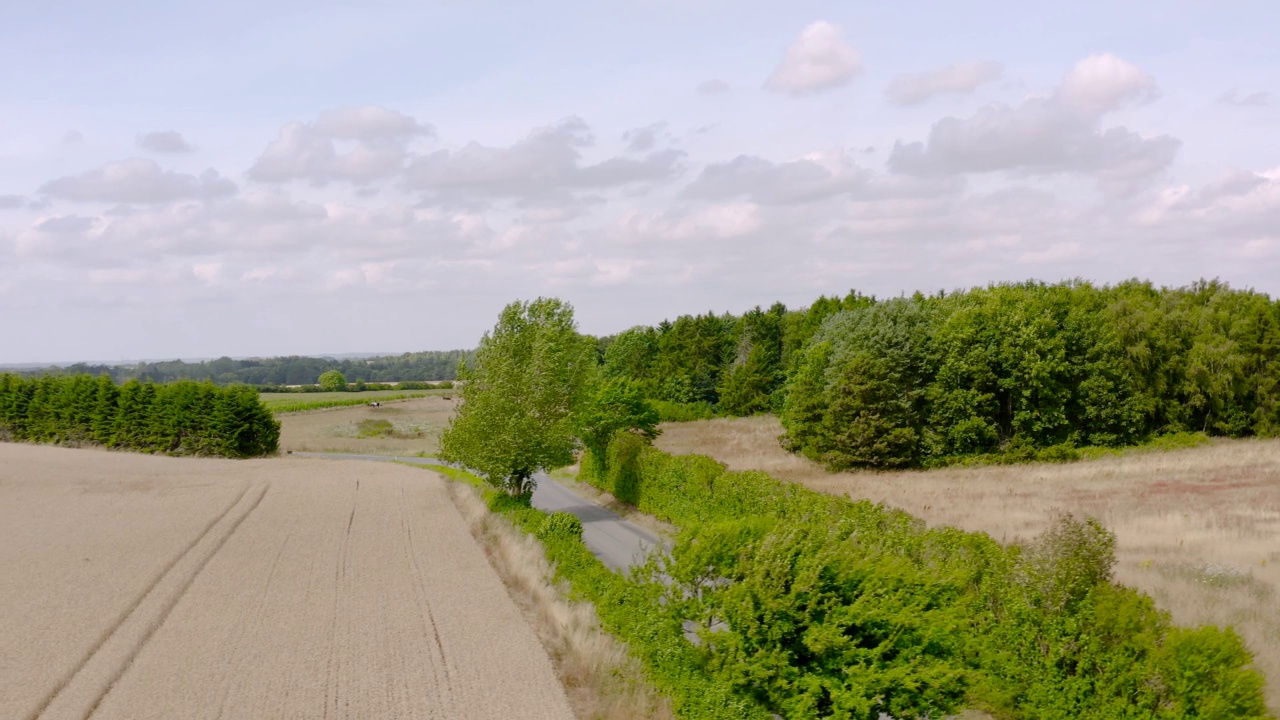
{"points": [[375, 404]]}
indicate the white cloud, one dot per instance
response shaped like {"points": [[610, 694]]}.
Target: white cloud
{"points": [[1261, 248], [1055, 253], [137, 180], [797, 181], [644, 139], [308, 152], [713, 222], [1059, 133], [66, 224], [1103, 83], [1240, 205], [959, 79], [818, 60], [10, 202], [370, 123], [545, 164], [164, 141], [208, 273]]}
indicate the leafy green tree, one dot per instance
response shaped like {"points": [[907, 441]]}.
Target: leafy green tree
{"points": [[631, 355], [756, 371], [616, 405], [531, 373], [332, 381]]}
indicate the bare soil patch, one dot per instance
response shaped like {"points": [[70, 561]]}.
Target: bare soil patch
{"points": [[150, 587], [1197, 529], [415, 428]]}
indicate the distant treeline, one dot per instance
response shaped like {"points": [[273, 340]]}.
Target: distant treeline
{"points": [[179, 418], [1008, 372], [278, 371]]}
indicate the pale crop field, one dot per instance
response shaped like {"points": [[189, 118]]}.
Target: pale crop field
{"points": [[134, 586], [415, 428], [1197, 529]]}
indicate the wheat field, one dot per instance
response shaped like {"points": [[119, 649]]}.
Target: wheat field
{"points": [[1197, 529], [134, 586]]}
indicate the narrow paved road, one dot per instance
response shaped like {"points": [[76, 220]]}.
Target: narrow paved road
{"points": [[618, 543]]}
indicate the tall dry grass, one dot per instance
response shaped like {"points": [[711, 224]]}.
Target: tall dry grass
{"points": [[1197, 529], [601, 680]]}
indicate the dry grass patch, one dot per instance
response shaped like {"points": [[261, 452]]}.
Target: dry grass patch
{"points": [[1197, 529], [406, 427], [602, 681]]}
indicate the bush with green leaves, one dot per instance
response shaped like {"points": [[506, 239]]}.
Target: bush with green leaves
{"points": [[332, 381], [683, 412], [817, 606], [180, 418], [560, 524]]}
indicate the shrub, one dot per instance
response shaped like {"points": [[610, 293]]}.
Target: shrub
{"points": [[375, 428], [332, 381], [816, 606], [683, 411], [560, 524]]}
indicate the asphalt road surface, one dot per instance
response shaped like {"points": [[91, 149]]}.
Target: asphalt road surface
{"points": [[618, 543]]}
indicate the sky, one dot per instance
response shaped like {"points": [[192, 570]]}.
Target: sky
{"points": [[272, 178]]}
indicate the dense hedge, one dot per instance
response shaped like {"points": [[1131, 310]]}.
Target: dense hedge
{"points": [[1033, 371], [181, 418], [292, 370], [818, 606]]}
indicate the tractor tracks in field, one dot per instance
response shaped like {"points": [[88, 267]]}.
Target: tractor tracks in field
{"points": [[79, 694]]}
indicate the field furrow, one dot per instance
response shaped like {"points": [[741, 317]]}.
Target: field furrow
{"points": [[327, 590]]}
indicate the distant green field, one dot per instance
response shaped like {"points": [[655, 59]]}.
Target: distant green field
{"points": [[299, 402]]}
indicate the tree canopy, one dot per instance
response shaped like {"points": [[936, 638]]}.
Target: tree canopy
{"points": [[531, 373], [332, 381]]}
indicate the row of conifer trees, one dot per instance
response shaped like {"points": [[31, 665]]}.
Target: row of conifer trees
{"points": [[179, 418]]}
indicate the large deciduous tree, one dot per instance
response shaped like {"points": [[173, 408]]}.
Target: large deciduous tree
{"points": [[531, 373]]}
